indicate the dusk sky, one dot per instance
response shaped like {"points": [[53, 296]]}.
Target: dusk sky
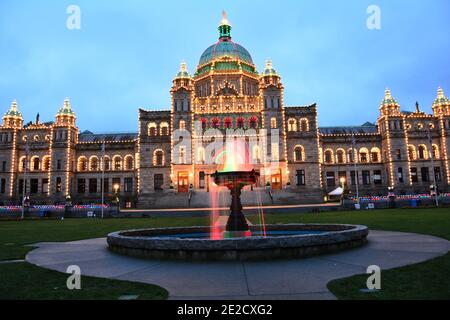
{"points": [[127, 52]]}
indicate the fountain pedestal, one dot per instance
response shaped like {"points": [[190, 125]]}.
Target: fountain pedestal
{"points": [[235, 180]]}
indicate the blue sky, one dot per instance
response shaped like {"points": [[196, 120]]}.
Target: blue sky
{"points": [[127, 52]]}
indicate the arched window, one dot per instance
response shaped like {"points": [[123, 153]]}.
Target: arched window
{"points": [[93, 163], [423, 153], [435, 151], [22, 163], [240, 122], [129, 163], [35, 163], [363, 155], [164, 129], [182, 125], [46, 163], [375, 155], [328, 156], [340, 156], [351, 155], [117, 162], [304, 125], [107, 163], [273, 123], [299, 154], [152, 129], [412, 152], [253, 122], [292, 125], [158, 157], [82, 164], [228, 123], [215, 123]]}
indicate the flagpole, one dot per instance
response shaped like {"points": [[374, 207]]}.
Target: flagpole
{"points": [[430, 148], [24, 193], [103, 177], [354, 162]]}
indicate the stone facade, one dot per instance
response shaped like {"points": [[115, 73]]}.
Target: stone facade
{"points": [[226, 98]]}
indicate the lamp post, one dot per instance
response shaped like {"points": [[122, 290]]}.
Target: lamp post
{"points": [[116, 194], [342, 181]]}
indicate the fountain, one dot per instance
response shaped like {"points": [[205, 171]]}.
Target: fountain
{"points": [[235, 181], [237, 240]]}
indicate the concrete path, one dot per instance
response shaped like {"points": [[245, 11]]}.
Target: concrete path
{"points": [[283, 279]]}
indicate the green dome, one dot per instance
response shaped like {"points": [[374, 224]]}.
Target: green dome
{"points": [[441, 98], [269, 70], [388, 99], [66, 109], [225, 48], [183, 73], [13, 112]]}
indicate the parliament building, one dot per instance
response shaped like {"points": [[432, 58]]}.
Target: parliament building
{"points": [[226, 98]]}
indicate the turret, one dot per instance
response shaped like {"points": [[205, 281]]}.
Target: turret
{"points": [[65, 116], [389, 106], [441, 105], [13, 118]]}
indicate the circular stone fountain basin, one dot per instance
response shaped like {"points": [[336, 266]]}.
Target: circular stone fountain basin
{"points": [[280, 242]]}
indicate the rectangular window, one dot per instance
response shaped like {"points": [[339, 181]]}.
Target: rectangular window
{"points": [[106, 185], [414, 177], [300, 177], [81, 186], [45, 186], [128, 185], [201, 179], [400, 175], [34, 186], [21, 191], [3, 186], [425, 174], [353, 178], [399, 154], [377, 177], [58, 164], [92, 185], [331, 181], [366, 177], [4, 166], [437, 174]]}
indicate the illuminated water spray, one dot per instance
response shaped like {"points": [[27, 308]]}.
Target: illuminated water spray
{"points": [[235, 173]]}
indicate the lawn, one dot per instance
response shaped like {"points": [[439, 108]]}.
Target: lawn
{"points": [[26, 281], [428, 280]]}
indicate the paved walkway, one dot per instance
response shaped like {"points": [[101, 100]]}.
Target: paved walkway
{"points": [[284, 279]]}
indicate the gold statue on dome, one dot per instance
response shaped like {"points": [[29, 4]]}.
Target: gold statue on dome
{"points": [[224, 21]]}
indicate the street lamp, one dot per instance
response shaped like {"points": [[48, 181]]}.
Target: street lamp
{"points": [[116, 193], [342, 181]]}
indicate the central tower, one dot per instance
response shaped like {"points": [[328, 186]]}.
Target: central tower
{"points": [[227, 98]]}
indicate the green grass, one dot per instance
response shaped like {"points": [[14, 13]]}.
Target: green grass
{"points": [[23, 281], [26, 281], [427, 280], [16, 235]]}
